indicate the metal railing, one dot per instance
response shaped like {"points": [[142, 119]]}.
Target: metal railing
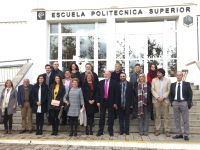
{"points": [[9, 68]]}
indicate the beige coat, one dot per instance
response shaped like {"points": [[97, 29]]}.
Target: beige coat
{"points": [[155, 89]]}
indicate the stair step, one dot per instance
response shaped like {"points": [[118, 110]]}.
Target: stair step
{"points": [[194, 87], [193, 123], [17, 127]]}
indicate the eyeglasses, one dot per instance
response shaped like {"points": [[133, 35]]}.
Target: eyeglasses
{"points": [[141, 76]]}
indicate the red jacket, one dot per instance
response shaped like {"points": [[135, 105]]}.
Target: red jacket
{"points": [[149, 78]]}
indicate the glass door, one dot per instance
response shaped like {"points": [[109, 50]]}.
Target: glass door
{"points": [[145, 43]]}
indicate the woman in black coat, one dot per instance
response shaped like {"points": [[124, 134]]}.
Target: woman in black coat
{"points": [[89, 88], [143, 103], [40, 92], [75, 72], [56, 92]]}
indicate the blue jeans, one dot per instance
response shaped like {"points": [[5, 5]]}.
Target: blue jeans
{"points": [[143, 122]]}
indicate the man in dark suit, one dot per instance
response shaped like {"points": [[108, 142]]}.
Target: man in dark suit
{"points": [[125, 103], [88, 68], [57, 71], [48, 76], [115, 75], [133, 79], [107, 97], [25, 102], [49, 79], [181, 100]]}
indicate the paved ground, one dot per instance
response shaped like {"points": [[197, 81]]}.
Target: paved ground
{"points": [[57, 147], [82, 136], [133, 141]]}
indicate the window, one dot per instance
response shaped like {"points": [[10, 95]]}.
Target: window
{"points": [[79, 43], [145, 43]]}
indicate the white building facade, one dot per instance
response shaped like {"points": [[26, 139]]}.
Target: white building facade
{"points": [[102, 33]]}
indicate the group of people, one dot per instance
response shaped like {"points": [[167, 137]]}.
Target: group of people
{"points": [[141, 96]]}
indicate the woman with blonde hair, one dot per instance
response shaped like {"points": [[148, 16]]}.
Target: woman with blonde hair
{"points": [[89, 88], [75, 100], [8, 104], [143, 103]]}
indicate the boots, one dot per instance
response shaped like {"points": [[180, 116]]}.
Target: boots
{"points": [[71, 133], [91, 132], [86, 130], [53, 131], [75, 133], [10, 131], [56, 130], [37, 131], [6, 131], [40, 131]]}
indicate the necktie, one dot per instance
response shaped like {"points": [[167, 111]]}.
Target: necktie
{"points": [[179, 93], [106, 89], [123, 96]]}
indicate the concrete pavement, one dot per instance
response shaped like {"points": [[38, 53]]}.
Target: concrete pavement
{"points": [[134, 140]]}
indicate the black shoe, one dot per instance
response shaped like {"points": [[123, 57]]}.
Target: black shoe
{"points": [[186, 138], [133, 117], [56, 133], [177, 136], [22, 131], [71, 134], [111, 134], [52, 133], [121, 133], [99, 134], [37, 132], [75, 133], [127, 133], [91, 133], [40, 133]]}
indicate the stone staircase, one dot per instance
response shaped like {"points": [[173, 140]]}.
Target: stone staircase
{"points": [[194, 119]]}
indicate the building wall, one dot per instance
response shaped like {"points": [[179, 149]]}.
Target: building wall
{"points": [[23, 36]]}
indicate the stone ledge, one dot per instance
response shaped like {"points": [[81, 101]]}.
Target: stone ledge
{"points": [[20, 75]]}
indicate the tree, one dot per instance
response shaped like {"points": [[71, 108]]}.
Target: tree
{"points": [[69, 47], [54, 47]]}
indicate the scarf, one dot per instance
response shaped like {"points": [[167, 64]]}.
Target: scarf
{"points": [[123, 94], [6, 99], [152, 73], [39, 100], [142, 98]]}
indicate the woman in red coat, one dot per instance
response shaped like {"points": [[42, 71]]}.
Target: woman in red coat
{"points": [[150, 76], [152, 72]]}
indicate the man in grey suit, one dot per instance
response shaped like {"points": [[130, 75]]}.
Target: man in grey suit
{"points": [[181, 100], [68, 84], [133, 79], [134, 75]]}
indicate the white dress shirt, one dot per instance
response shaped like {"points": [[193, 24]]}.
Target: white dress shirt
{"points": [[181, 84]]}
